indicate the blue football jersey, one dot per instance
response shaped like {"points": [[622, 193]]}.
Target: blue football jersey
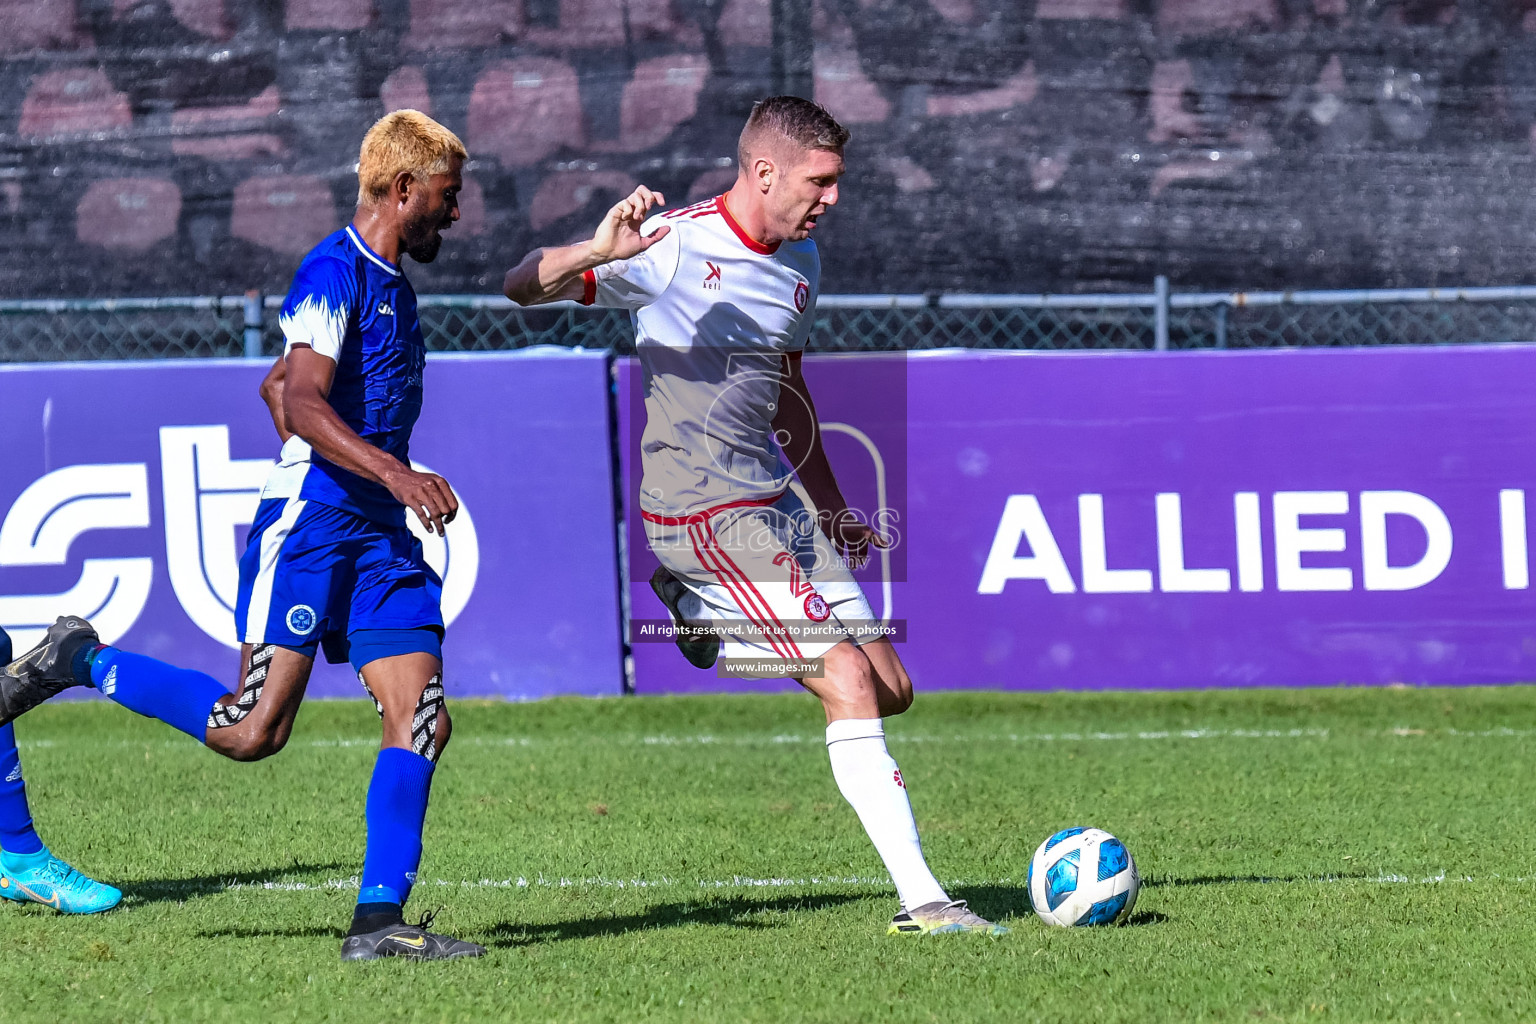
{"points": [[353, 306]]}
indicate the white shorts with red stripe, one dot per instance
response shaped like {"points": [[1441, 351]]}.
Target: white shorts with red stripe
{"points": [[765, 576]]}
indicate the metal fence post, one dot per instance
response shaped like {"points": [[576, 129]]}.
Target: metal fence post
{"points": [[790, 56], [1221, 325], [253, 309], [1160, 314]]}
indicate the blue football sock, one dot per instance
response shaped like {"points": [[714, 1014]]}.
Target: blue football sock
{"points": [[397, 806], [16, 832], [179, 697]]}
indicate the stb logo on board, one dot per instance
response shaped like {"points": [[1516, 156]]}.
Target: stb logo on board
{"points": [[206, 497], [1024, 546]]}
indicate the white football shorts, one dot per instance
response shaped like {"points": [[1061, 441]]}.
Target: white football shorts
{"points": [[765, 577]]}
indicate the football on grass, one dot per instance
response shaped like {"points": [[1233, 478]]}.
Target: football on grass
{"points": [[1083, 876]]}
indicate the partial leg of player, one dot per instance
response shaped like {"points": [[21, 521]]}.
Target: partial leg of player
{"points": [[408, 691], [256, 723], [871, 782], [71, 654], [29, 873]]}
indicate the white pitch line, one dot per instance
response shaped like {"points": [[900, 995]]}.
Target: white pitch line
{"points": [[540, 882], [776, 740], [769, 740], [794, 739], [743, 882]]}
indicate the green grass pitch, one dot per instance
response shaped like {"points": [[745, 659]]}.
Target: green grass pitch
{"points": [[1349, 854]]}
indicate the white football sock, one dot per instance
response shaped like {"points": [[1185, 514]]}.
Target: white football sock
{"points": [[871, 782]]}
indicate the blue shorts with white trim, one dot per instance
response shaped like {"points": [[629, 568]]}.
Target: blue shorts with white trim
{"points": [[314, 573]]}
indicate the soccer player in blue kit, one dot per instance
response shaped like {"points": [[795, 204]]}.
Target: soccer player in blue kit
{"points": [[329, 562]]}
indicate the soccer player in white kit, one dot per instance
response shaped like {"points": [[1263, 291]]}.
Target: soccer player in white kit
{"points": [[723, 296]]}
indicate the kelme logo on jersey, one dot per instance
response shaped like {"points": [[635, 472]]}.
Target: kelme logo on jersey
{"points": [[712, 279], [802, 296], [301, 619]]}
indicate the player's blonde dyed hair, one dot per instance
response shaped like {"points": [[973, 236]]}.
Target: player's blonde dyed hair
{"points": [[403, 140]]}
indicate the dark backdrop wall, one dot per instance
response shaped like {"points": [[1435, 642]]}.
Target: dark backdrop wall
{"points": [[200, 146]]}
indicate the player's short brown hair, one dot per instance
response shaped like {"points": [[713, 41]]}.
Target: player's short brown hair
{"points": [[798, 121], [404, 140]]}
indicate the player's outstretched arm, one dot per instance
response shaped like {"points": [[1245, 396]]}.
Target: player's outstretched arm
{"points": [[799, 433], [271, 392], [548, 275], [307, 383]]}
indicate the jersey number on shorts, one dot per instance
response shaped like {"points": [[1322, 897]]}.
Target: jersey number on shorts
{"points": [[816, 608]]}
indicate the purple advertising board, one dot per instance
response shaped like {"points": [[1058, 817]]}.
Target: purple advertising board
{"points": [[127, 489], [1165, 520]]}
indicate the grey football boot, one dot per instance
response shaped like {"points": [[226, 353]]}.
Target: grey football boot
{"points": [[46, 669], [411, 941], [699, 644], [942, 919]]}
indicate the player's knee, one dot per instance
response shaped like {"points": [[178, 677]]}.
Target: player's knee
{"points": [[444, 728], [849, 674]]}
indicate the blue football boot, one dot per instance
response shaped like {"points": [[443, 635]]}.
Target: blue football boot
{"points": [[43, 878]]}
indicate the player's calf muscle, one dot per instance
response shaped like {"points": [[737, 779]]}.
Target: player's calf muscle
{"points": [[408, 690], [893, 687], [256, 722], [247, 744], [863, 682], [258, 736], [892, 700], [424, 728]]}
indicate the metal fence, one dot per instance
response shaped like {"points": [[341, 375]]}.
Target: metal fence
{"points": [[83, 329]]}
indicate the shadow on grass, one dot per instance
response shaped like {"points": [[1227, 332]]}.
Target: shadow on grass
{"points": [[996, 901], [273, 933], [736, 912], [174, 890], [1154, 882]]}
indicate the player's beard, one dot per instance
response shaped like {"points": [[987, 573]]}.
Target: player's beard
{"points": [[431, 239]]}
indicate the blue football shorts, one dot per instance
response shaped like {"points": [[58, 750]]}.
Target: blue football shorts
{"points": [[313, 574]]}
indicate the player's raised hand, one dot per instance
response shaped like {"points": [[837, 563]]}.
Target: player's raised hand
{"points": [[618, 237], [426, 494]]}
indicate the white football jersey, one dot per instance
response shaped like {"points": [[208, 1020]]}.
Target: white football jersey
{"points": [[714, 313]]}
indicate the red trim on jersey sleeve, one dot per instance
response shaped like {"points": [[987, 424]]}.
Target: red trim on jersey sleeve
{"points": [[746, 239], [588, 287], [698, 209]]}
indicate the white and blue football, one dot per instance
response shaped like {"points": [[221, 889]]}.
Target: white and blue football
{"points": [[1083, 876]]}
